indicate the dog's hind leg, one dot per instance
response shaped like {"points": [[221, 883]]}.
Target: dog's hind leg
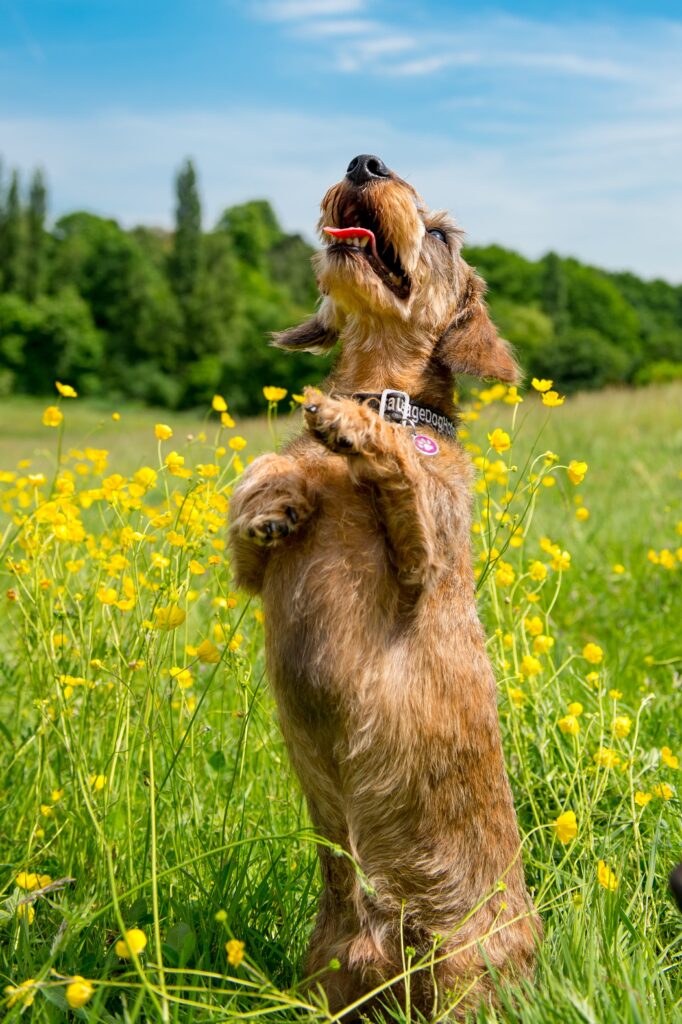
{"points": [[273, 500]]}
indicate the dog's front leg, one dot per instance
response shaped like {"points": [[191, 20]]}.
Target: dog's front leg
{"points": [[382, 457], [272, 501]]}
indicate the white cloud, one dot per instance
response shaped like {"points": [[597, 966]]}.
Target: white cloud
{"points": [[289, 10], [607, 193]]}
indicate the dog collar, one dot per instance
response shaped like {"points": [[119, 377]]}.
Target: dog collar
{"points": [[398, 407]]}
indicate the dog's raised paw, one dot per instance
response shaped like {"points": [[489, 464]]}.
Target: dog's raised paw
{"points": [[271, 528], [335, 423]]}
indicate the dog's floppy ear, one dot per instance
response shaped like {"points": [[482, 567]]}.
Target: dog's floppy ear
{"points": [[318, 334], [471, 343]]}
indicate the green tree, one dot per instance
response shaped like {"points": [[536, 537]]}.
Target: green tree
{"points": [[12, 249], [186, 259], [36, 237], [555, 291]]}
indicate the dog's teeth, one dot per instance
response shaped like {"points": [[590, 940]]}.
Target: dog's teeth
{"points": [[363, 241]]}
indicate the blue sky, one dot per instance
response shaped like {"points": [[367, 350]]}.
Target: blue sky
{"points": [[538, 128]]}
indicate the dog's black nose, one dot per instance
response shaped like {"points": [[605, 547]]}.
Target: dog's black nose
{"points": [[365, 168]]}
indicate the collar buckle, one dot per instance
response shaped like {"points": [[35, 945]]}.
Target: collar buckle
{"points": [[385, 394]]}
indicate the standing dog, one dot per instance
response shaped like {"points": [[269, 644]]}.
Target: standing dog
{"points": [[357, 537]]}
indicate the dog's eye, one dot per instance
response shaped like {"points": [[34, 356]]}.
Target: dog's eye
{"points": [[437, 233]]}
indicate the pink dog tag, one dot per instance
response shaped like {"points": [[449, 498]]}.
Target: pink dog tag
{"points": [[425, 445]]}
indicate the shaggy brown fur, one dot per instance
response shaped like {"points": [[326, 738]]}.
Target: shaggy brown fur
{"points": [[360, 548]]}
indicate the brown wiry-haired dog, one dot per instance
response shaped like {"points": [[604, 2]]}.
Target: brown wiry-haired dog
{"points": [[357, 537]]}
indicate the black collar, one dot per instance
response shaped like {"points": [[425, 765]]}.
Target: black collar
{"points": [[398, 407]]}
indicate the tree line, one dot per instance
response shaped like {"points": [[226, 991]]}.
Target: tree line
{"points": [[171, 317]]}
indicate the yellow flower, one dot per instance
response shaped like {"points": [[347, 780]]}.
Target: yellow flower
{"points": [[78, 992], [163, 431], [226, 420], [219, 404], [98, 782], [606, 758], [518, 697], [183, 677], [569, 725], [619, 569], [541, 385], [668, 758], [533, 626], [133, 942], [169, 617], [615, 694], [504, 574], [237, 443], [499, 440], [642, 798], [115, 416], [175, 539], [24, 993], [566, 827], [235, 952], [65, 390], [29, 880], [273, 394], [543, 644], [530, 666], [52, 416], [561, 561], [175, 463], [576, 471], [208, 653], [537, 571], [606, 877], [622, 725], [552, 399], [145, 476], [582, 514], [575, 708], [27, 911], [196, 568], [593, 653], [663, 790]]}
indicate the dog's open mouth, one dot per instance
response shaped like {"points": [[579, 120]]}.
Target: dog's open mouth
{"points": [[368, 243]]}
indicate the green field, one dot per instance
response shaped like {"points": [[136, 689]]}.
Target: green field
{"points": [[140, 759]]}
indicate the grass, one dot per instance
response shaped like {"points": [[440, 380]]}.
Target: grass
{"points": [[142, 771]]}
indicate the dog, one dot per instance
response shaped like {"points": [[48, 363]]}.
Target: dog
{"points": [[357, 536]]}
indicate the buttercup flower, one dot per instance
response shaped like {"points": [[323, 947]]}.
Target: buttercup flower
{"points": [[163, 431], [537, 571], [237, 443], [133, 942], [668, 758], [530, 666], [499, 440], [273, 394], [576, 471], [235, 952], [569, 725], [52, 416], [65, 390], [541, 385], [218, 403], [593, 653], [24, 993], [622, 725], [642, 798], [552, 399], [663, 791], [607, 758], [79, 992], [566, 827], [606, 876]]}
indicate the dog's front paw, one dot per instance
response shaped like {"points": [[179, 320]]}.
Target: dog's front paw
{"points": [[273, 526], [337, 423]]}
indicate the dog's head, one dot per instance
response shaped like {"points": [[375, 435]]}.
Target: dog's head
{"points": [[388, 257]]}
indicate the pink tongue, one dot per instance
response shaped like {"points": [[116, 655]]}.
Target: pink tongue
{"points": [[353, 233]]}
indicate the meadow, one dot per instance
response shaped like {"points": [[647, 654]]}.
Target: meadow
{"points": [[156, 858]]}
